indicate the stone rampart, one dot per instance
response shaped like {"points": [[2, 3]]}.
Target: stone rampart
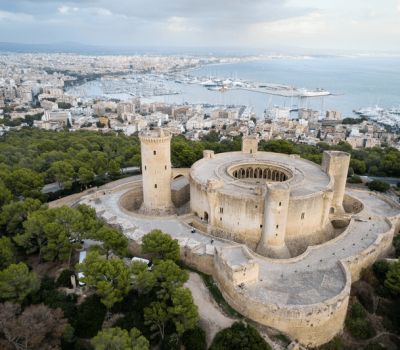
{"points": [[368, 256]]}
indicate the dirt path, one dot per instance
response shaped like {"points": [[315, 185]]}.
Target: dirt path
{"points": [[211, 318]]}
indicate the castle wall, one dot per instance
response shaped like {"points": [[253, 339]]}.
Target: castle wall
{"points": [[181, 196], [368, 256], [132, 200], [241, 219], [312, 325]]}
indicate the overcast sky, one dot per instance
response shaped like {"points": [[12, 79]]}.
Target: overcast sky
{"points": [[337, 24]]}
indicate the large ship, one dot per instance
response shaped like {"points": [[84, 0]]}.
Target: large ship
{"points": [[308, 93]]}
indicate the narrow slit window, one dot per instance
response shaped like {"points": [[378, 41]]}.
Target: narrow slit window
{"points": [[155, 186], [302, 216], [221, 210], [154, 152], [277, 226], [280, 204]]}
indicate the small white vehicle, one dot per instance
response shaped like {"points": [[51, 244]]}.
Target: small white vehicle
{"points": [[148, 262], [82, 256]]}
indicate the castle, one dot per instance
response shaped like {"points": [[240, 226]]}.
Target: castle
{"points": [[283, 237], [277, 205]]}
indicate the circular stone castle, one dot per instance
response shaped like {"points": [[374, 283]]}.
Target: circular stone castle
{"points": [[282, 236]]}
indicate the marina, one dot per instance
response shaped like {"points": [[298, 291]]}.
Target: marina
{"points": [[379, 115]]}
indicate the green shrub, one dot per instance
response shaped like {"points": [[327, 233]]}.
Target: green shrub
{"points": [[82, 345], [378, 185], [358, 311], [64, 280], [98, 249], [47, 283], [134, 319], [380, 269], [355, 179], [194, 339], [283, 338], [374, 346], [128, 304], [360, 328], [169, 343], [396, 244], [90, 317], [335, 344], [239, 337]]}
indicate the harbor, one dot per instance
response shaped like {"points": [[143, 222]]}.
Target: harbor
{"points": [[381, 116]]}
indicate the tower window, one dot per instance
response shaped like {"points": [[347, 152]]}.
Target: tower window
{"points": [[165, 167], [154, 152], [155, 186], [277, 226], [221, 210], [145, 167], [302, 216], [280, 204]]}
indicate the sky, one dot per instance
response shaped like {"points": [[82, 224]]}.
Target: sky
{"points": [[320, 24]]}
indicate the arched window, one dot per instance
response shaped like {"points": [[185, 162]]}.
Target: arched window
{"points": [[265, 173]]}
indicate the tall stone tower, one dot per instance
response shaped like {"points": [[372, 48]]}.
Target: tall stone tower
{"points": [[272, 243], [156, 172], [250, 144], [336, 163]]}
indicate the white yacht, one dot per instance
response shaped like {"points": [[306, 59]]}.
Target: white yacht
{"points": [[308, 93]]}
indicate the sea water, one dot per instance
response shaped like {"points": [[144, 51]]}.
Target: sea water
{"points": [[358, 82]]}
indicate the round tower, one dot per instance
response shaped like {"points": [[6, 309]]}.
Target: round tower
{"points": [[156, 172], [336, 163], [272, 243]]}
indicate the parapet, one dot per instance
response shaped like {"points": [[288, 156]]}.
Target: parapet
{"points": [[208, 154], [331, 159], [155, 136], [213, 184], [237, 264]]}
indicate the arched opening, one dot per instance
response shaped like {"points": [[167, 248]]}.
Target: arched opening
{"points": [[332, 210], [206, 216]]}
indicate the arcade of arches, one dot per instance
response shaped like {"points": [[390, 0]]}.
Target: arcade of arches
{"points": [[259, 172]]}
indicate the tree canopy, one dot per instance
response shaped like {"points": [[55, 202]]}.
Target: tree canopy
{"points": [[16, 282], [161, 246], [120, 339]]}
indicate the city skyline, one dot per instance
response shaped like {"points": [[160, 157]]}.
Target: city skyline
{"points": [[362, 25]]}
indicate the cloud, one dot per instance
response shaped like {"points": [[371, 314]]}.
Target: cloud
{"points": [[398, 5], [64, 9], [311, 24], [17, 17], [354, 23], [179, 24]]}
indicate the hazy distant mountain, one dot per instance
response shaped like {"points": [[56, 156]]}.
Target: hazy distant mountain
{"points": [[79, 48]]}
